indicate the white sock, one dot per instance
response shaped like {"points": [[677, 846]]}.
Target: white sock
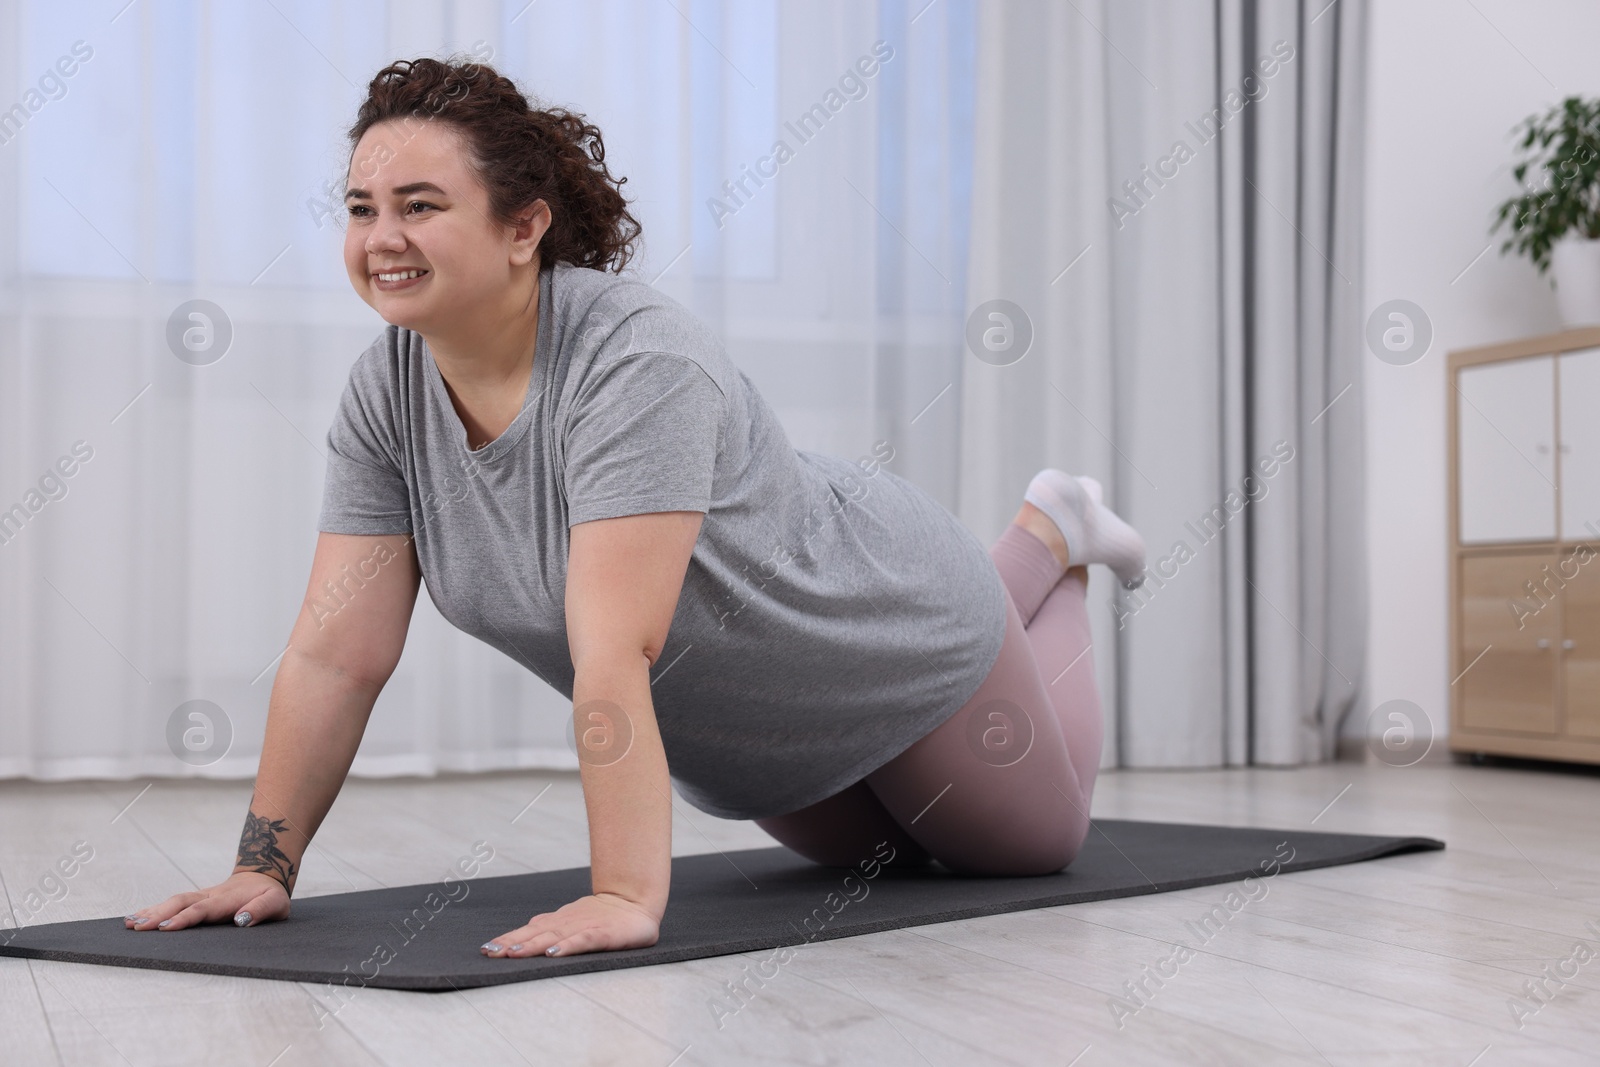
{"points": [[1093, 532]]}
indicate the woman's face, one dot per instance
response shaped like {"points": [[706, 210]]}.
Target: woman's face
{"points": [[414, 206]]}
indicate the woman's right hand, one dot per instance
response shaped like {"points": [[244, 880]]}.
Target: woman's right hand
{"points": [[246, 895]]}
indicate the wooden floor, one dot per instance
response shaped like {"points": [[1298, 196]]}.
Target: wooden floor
{"points": [[1416, 959]]}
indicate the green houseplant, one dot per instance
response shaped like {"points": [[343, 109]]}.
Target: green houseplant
{"points": [[1556, 220]]}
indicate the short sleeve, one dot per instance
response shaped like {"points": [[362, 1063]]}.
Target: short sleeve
{"points": [[643, 437], [364, 491]]}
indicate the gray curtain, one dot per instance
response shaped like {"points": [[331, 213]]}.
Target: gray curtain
{"points": [[1170, 195]]}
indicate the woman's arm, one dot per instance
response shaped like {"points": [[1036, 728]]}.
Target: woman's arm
{"points": [[624, 576], [342, 650]]}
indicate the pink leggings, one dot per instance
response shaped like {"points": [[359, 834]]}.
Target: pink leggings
{"points": [[1003, 786]]}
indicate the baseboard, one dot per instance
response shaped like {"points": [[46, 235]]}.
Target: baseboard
{"points": [[1359, 750]]}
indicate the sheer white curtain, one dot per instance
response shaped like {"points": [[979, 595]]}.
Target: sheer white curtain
{"points": [[195, 152], [1170, 192]]}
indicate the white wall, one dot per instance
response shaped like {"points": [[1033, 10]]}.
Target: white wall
{"points": [[1449, 79]]}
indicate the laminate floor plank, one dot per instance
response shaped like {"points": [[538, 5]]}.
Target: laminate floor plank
{"points": [[23, 1020], [1437, 995]]}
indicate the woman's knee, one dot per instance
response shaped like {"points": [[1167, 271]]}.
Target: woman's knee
{"points": [[977, 816], [1041, 852]]}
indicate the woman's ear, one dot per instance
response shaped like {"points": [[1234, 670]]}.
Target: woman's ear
{"points": [[529, 230]]}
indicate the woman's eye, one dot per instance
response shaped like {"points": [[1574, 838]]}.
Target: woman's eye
{"points": [[361, 210]]}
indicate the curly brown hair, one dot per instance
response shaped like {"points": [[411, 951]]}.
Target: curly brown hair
{"points": [[519, 152]]}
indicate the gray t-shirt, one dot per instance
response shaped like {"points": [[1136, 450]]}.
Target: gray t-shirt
{"points": [[832, 613]]}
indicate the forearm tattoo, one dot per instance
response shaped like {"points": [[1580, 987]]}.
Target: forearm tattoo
{"points": [[259, 851]]}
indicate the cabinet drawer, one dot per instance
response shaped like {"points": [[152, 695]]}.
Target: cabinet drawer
{"points": [[1514, 634], [1580, 655]]}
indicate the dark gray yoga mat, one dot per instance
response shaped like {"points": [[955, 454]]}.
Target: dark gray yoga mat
{"points": [[744, 901]]}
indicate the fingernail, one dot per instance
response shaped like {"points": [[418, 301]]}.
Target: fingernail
{"points": [[162, 925], [134, 918], [552, 951], [513, 948], [490, 946], [242, 919]]}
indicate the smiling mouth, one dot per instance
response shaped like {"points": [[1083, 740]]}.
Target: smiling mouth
{"points": [[399, 275]]}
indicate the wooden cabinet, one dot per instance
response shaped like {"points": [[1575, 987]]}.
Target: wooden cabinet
{"points": [[1525, 547]]}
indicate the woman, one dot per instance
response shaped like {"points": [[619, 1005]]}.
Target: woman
{"points": [[590, 485]]}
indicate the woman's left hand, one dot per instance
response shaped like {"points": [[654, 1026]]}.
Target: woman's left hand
{"points": [[593, 923]]}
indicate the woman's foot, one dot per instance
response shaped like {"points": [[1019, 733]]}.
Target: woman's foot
{"points": [[1041, 526], [1090, 531], [1038, 523]]}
